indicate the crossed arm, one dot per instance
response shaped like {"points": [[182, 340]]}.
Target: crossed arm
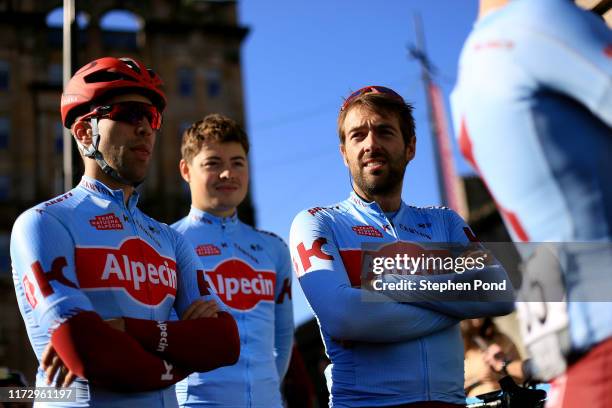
{"points": [[347, 313], [344, 312]]}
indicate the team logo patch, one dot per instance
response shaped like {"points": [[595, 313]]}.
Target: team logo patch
{"points": [[208, 250], [106, 222], [30, 292], [367, 230], [240, 286], [135, 267]]}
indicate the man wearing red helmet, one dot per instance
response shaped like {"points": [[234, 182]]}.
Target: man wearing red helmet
{"points": [[96, 279]]}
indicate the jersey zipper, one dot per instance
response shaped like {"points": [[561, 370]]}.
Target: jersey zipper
{"points": [[425, 368], [227, 239], [388, 223], [130, 215], [422, 344]]}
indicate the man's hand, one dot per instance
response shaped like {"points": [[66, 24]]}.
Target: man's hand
{"points": [[52, 365], [494, 357], [201, 308]]}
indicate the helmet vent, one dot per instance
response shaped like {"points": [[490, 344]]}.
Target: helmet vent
{"points": [[106, 76], [131, 63]]}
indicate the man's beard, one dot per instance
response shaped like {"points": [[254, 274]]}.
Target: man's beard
{"points": [[128, 171], [376, 186]]}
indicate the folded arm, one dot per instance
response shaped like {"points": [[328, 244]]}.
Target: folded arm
{"points": [[346, 313], [197, 345]]}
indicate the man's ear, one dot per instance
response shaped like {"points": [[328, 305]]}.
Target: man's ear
{"points": [[411, 149], [184, 169], [82, 132], [343, 153]]}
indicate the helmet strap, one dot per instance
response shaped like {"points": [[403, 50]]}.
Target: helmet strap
{"points": [[92, 152]]}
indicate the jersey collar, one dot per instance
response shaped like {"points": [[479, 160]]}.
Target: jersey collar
{"points": [[99, 189], [196, 214], [372, 207]]}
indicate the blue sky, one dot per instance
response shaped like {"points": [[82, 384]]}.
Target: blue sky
{"points": [[299, 61]]}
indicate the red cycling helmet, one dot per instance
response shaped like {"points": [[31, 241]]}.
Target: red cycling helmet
{"points": [[105, 77]]}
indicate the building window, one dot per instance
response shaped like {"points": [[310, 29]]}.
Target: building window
{"points": [[55, 74], [186, 81], [5, 260], [4, 75], [185, 190], [55, 21], [213, 82], [5, 188], [5, 132], [58, 137], [121, 28], [55, 18], [183, 126], [58, 180]]}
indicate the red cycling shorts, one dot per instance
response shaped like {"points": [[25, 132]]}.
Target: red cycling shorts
{"points": [[586, 383]]}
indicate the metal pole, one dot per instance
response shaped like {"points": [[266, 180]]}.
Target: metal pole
{"points": [[68, 26], [451, 192], [418, 53]]}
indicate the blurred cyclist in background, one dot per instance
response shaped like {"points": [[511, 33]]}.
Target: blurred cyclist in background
{"points": [[533, 112]]}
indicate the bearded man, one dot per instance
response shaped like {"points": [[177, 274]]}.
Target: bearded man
{"points": [[383, 354]]}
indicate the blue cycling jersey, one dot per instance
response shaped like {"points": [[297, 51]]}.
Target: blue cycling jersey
{"points": [[533, 112], [250, 271], [382, 353], [88, 251]]}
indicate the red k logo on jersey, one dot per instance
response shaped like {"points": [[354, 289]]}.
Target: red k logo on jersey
{"points": [[316, 251], [240, 286], [135, 266], [43, 280]]}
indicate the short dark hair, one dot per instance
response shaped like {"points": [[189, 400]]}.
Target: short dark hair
{"points": [[383, 104], [213, 128]]}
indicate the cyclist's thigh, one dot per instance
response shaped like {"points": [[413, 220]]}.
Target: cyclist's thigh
{"points": [[587, 383]]}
